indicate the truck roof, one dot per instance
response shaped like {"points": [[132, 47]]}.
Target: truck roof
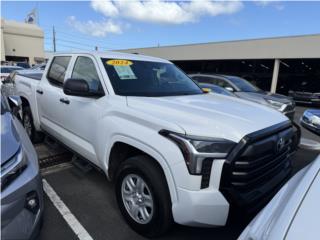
{"points": [[115, 55]]}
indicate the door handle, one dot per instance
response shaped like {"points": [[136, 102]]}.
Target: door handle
{"points": [[39, 91], [64, 100]]}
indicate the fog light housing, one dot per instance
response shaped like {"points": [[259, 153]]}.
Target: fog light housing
{"points": [[32, 202]]}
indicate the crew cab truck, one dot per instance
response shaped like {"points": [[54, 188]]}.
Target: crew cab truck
{"points": [[175, 153]]}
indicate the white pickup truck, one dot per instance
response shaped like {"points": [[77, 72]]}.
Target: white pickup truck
{"points": [[176, 154]]}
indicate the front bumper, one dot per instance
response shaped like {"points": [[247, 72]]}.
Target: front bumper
{"points": [[205, 207], [17, 221], [208, 200]]}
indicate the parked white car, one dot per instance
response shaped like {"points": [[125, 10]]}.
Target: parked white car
{"points": [[293, 213], [174, 152]]}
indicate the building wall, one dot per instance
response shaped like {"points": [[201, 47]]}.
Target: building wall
{"points": [[22, 40], [307, 46]]}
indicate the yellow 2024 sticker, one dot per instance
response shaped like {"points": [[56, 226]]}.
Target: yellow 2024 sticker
{"points": [[119, 62]]}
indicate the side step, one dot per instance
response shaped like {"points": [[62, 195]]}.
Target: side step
{"points": [[81, 164], [50, 153]]}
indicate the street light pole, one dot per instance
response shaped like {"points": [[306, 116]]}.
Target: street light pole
{"points": [[54, 39]]}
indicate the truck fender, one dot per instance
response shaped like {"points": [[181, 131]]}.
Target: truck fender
{"points": [[33, 108], [151, 151]]}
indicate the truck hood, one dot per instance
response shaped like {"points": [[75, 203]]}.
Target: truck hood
{"points": [[209, 115], [10, 141]]}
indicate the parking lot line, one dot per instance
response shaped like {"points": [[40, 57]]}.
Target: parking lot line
{"points": [[72, 221]]}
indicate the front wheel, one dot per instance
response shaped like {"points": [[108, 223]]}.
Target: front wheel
{"points": [[143, 196], [27, 122]]}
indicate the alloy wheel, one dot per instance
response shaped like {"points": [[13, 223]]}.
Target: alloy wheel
{"points": [[137, 198]]}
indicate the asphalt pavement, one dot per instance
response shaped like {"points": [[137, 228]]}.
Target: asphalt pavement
{"points": [[90, 198]]}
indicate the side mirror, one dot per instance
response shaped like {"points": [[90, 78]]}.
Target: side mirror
{"points": [[79, 87], [206, 90], [15, 101], [230, 89], [15, 104], [310, 120]]}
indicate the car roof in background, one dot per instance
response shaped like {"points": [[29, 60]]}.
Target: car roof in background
{"points": [[210, 85], [212, 75]]}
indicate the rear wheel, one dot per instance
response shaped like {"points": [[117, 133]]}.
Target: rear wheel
{"points": [[27, 122], [143, 196]]}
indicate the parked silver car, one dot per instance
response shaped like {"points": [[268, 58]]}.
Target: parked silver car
{"points": [[311, 120], [245, 90], [21, 185], [293, 213]]}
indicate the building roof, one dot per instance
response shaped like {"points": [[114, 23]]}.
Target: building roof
{"points": [[305, 46]]}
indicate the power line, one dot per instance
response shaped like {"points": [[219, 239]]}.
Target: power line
{"points": [[72, 47], [85, 38], [58, 41]]}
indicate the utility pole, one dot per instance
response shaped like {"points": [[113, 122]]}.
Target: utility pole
{"points": [[54, 39]]}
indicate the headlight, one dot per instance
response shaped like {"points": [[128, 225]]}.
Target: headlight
{"points": [[196, 149], [277, 105], [309, 117], [13, 168]]}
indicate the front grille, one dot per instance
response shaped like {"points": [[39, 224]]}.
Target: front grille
{"points": [[258, 167]]}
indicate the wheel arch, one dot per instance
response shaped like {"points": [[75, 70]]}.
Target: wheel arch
{"points": [[27, 103], [124, 147]]}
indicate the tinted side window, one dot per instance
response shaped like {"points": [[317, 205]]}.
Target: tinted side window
{"points": [[85, 69], [204, 79], [222, 83], [58, 70]]}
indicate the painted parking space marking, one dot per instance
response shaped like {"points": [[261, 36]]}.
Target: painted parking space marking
{"points": [[72, 221]]}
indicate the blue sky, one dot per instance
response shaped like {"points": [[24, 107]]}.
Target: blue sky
{"points": [[85, 24]]}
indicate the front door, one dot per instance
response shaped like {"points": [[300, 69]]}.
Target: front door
{"points": [[81, 114]]}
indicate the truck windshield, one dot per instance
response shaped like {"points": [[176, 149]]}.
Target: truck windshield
{"points": [[243, 85], [148, 79]]}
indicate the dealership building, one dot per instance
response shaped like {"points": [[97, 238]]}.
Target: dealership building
{"points": [[273, 64], [21, 42]]}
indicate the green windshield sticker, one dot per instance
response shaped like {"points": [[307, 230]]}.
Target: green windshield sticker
{"points": [[125, 72]]}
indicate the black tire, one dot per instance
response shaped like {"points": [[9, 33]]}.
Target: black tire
{"points": [[151, 173], [27, 121]]}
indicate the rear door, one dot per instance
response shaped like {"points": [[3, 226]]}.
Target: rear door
{"points": [[49, 93]]}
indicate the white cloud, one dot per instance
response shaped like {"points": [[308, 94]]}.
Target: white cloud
{"points": [[93, 28], [213, 8], [273, 3], [169, 12], [106, 7]]}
